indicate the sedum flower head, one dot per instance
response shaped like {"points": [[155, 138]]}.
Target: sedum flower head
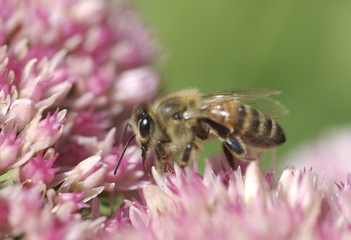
{"points": [[63, 69], [328, 155], [27, 215], [64, 101], [300, 204]]}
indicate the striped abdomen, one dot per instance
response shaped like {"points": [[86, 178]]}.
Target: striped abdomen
{"points": [[252, 126], [257, 129]]}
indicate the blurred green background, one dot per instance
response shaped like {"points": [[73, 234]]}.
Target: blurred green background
{"points": [[301, 47]]}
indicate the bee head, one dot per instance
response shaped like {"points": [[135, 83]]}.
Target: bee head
{"points": [[143, 127]]}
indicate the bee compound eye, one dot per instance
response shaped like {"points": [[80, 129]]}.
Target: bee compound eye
{"points": [[145, 126]]}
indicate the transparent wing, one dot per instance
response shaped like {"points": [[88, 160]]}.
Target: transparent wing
{"points": [[257, 98], [241, 94], [269, 106]]}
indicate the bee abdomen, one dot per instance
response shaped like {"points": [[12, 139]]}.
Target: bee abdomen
{"points": [[257, 129]]}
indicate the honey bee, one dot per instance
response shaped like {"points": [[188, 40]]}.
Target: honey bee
{"points": [[179, 121]]}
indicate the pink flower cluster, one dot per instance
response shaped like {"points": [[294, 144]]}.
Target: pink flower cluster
{"points": [[329, 155], [227, 205], [70, 72], [64, 68]]}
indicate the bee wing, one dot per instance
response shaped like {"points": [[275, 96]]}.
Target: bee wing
{"points": [[242, 94], [269, 106], [256, 98]]}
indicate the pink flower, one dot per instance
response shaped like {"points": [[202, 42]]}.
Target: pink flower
{"points": [[328, 155], [75, 200], [20, 114], [88, 175], [300, 205], [70, 55], [59, 109], [9, 149], [88, 123], [136, 86], [130, 175], [26, 214], [119, 221], [44, 133], [38, 170]]}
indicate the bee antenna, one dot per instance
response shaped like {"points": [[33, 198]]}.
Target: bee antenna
{"points": [[123, 152]]}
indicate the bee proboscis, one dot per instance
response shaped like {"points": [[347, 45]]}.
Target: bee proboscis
{"points": [[179, 121]]}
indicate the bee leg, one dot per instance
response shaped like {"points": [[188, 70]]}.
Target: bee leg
{"points": [[229, 156], [143, 156], [233, 145], [232, 148], [189, 149], [161, 154]]}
